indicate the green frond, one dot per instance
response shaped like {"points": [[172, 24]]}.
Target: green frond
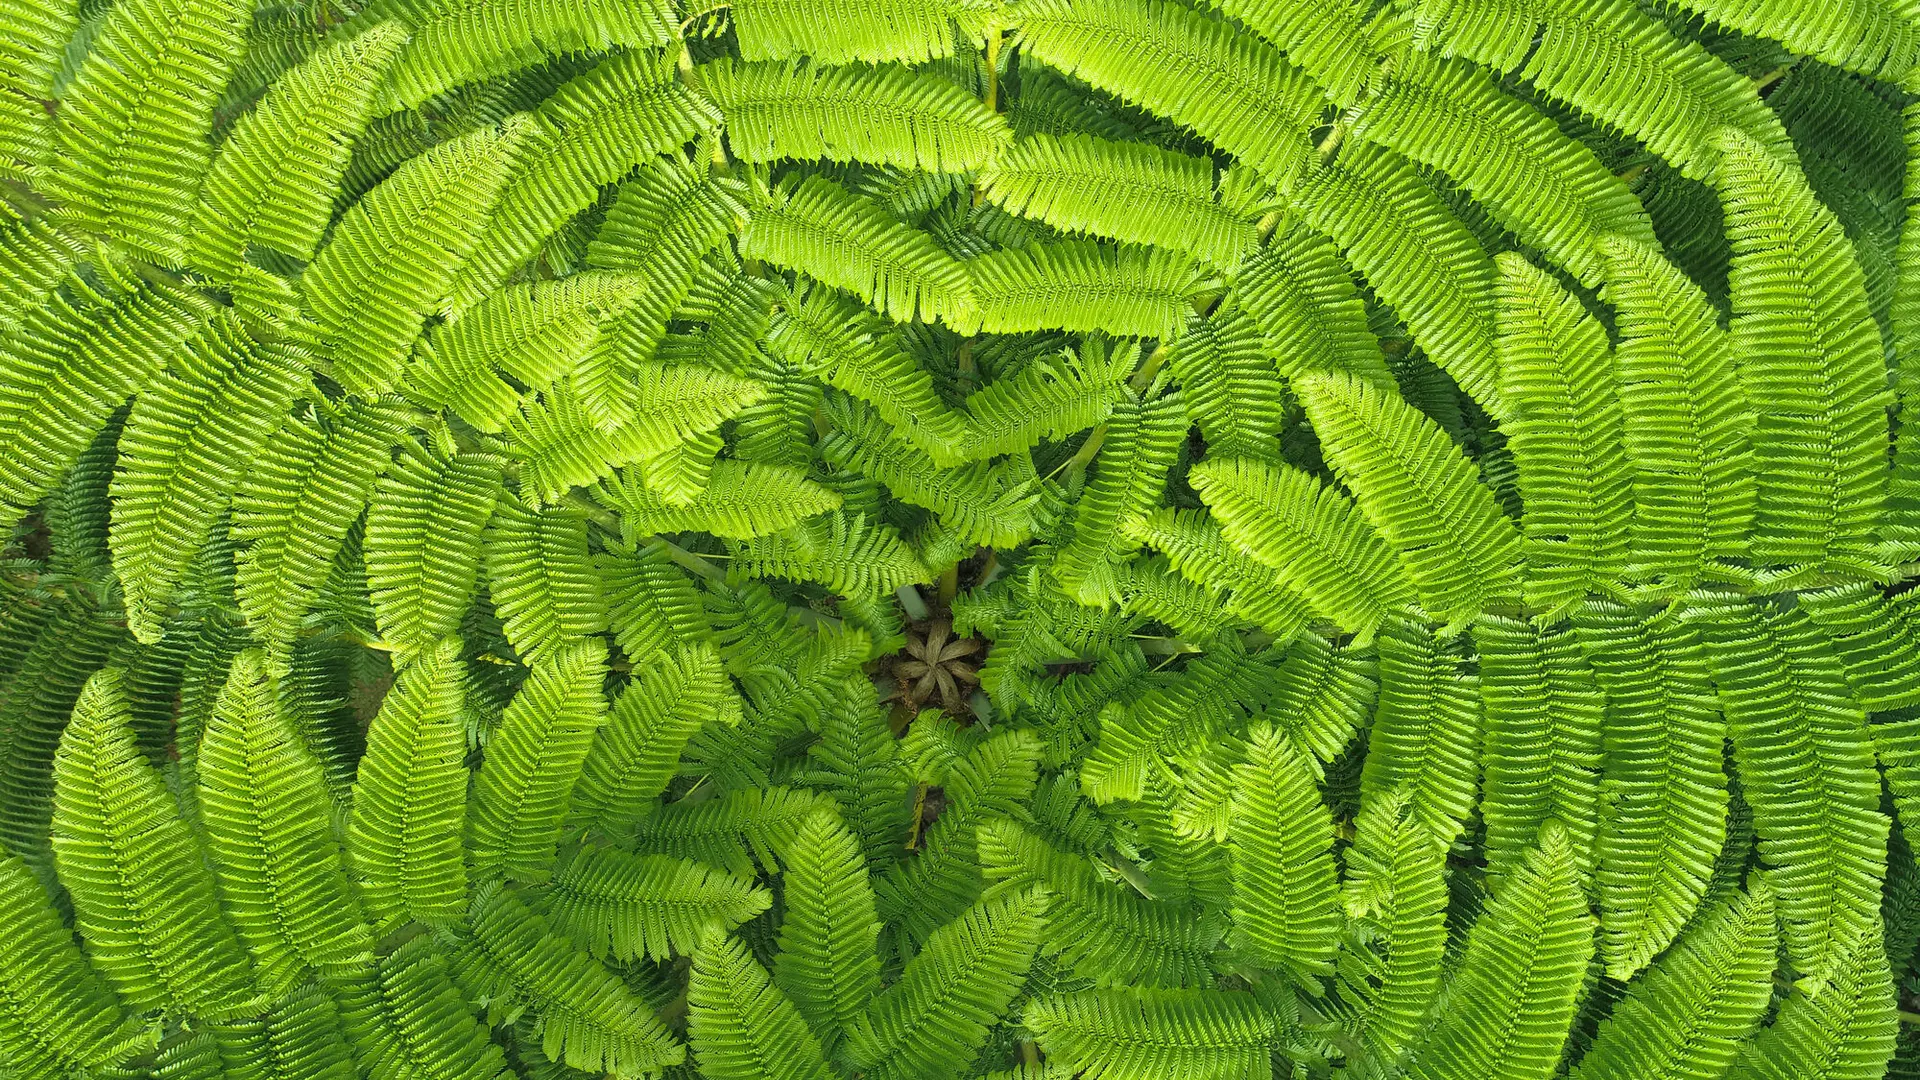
{"points": [[593, 131], [1420, 491], [143, 897], [1542, 753], [560, 446], [848, 241], [35, 37], [731, 832], [1194, 546], [57, 1015], [1425, 739], [652, 603], [1280, 836], [541, 578], [1104, 930], [637, 752], [587, 1016], [624, 906], [1151, 53], [1126, 191], [1844, 1032], [1547, 188], [1050, 398], [1688, 1017], [876, 31], [1874, 637], [1226, 376], [186, 447], [55, 660], [1664, 818], [1520, 977], [423, 545], [34, 258], [1811, 364], [1878, 39], [1686, 418], [296, 506], [827, 965], [741, 500], [1303, 298], [273, 182], [75, 356], [413, 1021], [533, 760], [1147, 1034], [884, 115], [1565, 433], [742, 1026], [269, 827], [1418, 256], [1083, 285], [1396, 889], [988, 504], [531, 332], [848, 553], [1149, 588], [1129, 476], [1806, 768], [392, 258], [410, 796], [456, 42], [928, 1025], [134, 123]]}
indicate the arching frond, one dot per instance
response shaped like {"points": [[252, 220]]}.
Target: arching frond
{"points": [[541, 578], [651, 603], [848, 241], [186, 447], [1194, 546], [1226, 377], [1874, 637], [1050, 398], [1877, 39], [1396, 888], [1128, 478], [1845, 1032], [142, 894], [742, 1026], [1425, 740], [36, 37], [989, 504], [1420, 491], [533, 761], [848, 553], [636, 754], [410, 797], [624, 906], [1303, 298], [413, 1013], [1082, 285], [741, 500], [731, 832], [423, 542], [827, 964], [1152, 53], [885, 115], [272, 185], [1146, 1034], [1281, 839]]}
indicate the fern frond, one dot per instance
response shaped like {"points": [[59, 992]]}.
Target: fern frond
{"points": [[1565, 433], [1147, 1034], [1050, 398], [733, 831], [1425, 739], [1881, 40], [587, 1016], [848, 553], [742, 1026], [876, 31], [741, 500], [1874, 637], [533, 761], [1104, 930], [269, 827], [1126, 191], [296, 506], [273, 182], [541, 578], [1520, 978], [885, 115], [1129, 476], [1811, 365], [1806, 768], [186, 447], [652, 603], [1194, 546], [1281, 839], [1082, 285], [1258, 107], [134, 124], [1549, 189], [1542, 753], [930, 1023], [1396, 887], [413, 1017], [36, 37], [410, 796], [456, 42], [1689, 1016], [1226, 377], [624, 906], [423, 545], [57, 1015], [1303, 298], [393, 256], [1845, 1032], [636, 753], [1686, 419], [143, 897], [987, 504], [827, 964]]}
